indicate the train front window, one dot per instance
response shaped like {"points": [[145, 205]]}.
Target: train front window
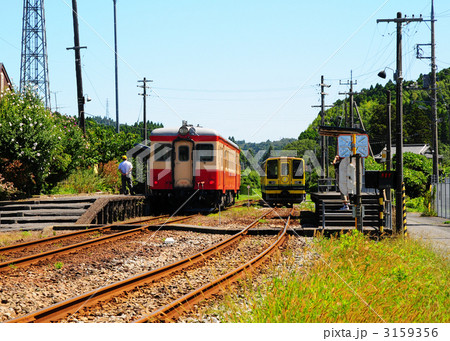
{"points": [[163, 151], [284, 169], [183, 153], [297, 166], [205, 152], [272, 169]]}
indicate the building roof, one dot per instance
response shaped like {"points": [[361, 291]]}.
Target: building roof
{"points": [[4, 78], [419, 149]]}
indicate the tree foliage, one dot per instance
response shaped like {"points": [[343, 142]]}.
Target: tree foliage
{"points": [[39, 148], [33, 141], [372, 105]]}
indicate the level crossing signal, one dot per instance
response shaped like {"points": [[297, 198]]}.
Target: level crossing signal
{"points": [[380, 179]]}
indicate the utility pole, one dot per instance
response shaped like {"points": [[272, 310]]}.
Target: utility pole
{"points": [[107, 110], [350, 93], [389, 132], [433, 96], [399, 215], [434, 100], [144, 95], [389, 148], [77, 48], [116, 68], [323, 143]]}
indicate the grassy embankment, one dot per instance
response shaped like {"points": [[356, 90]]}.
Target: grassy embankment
{"points": [[354, 279]]}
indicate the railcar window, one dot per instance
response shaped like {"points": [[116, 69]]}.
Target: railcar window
{"points": [[297, 166], [205, 152], [284, 168], [183, 153], [272, 169], [163, 151]]}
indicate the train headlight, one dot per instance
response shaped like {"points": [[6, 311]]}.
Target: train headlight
{"points": [[183, 130]]}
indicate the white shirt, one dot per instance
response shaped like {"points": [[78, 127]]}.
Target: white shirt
{"points": [[125, 167], [347, 176]]}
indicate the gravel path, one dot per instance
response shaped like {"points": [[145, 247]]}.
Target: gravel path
{"points": [[430, 229]]}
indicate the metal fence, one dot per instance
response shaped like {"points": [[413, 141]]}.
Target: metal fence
{"points": [[442, 198]]}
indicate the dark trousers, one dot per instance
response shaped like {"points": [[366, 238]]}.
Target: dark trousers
{"points": [[127, 182]]}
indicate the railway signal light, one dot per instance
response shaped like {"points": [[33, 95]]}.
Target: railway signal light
{"points": [[380, 179]]}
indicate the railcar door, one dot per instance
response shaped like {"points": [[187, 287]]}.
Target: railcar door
{"points": [[183, 172], [284, 172]]}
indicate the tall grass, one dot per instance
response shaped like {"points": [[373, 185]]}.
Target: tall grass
{"points": [[81, 181], [89, 181], [353, 280]]}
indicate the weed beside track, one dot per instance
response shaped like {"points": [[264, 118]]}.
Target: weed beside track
{"points": [[354, 280]]}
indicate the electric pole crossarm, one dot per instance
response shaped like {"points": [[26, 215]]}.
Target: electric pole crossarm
{"points": [[76, 48], [400, 20]]}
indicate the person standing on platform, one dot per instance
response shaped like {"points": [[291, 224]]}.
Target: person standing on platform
{"points": [[125, 168], [346, 180], [336, 162]]}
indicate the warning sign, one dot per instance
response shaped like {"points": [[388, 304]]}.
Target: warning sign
{"points": [[345, 145]]}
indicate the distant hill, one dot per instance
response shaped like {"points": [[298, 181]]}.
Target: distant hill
{"points": [[136, 128], [256, 147], [417, 120]]}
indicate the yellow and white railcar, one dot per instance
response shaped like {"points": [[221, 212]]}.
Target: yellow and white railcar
{"points": [[283, 181]]}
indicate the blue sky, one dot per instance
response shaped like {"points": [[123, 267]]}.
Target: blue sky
{"points": [[249, 69]]}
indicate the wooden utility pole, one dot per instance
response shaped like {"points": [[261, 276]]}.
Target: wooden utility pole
{"points": [[144, 95], [433, 97], [389, 131], [323, 140], [400, 215], [77, 48], [434, 100], [350, 93]]}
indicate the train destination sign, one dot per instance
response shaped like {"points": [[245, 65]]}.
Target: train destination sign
{"points": [[345, 145]]}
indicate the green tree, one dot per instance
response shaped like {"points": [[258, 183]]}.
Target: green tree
{"points": [[301, 146], [29, 142]]}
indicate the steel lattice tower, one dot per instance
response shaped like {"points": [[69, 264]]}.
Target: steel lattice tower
{"points": [[34, 64]]}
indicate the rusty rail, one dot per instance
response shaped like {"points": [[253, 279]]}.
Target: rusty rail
{"points": [[133, 221], [61, 309], [71, 248], [186, 303]]}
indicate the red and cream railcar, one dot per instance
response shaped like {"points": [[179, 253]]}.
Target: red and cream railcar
{"points": [[193, 163]]}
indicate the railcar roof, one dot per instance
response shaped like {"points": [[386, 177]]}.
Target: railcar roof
{"points": [[194, 131], [284, 158], [174, 131]]}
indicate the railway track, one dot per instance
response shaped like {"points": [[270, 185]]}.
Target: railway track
{"points": [[186, 303], [22, 254], [111, 292], [39, 255]]}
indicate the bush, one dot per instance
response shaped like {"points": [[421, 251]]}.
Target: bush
{"points": [[32, 141], [19, 175], [108, 172], [81, 181], [7, 189], [40, 149], [252, 179]]}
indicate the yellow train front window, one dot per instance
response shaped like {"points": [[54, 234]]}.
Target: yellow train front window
{"points": [[272, 169], [297, 167], [284, 169]]}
